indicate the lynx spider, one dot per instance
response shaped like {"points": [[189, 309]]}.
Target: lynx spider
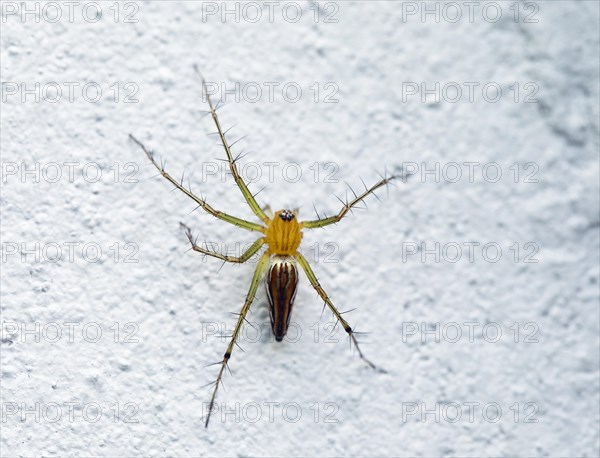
{"points": [[282, 233]]}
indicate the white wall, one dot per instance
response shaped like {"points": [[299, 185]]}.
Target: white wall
{"points": [[374, 55]]}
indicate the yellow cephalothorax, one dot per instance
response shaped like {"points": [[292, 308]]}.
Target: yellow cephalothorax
{"points": [[283, 234]]}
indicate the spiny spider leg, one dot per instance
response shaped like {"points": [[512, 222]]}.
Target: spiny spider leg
{"points": [[201, 202], [241, 259], [315, 283], [232, 165], [242, 316], [321, 222]]}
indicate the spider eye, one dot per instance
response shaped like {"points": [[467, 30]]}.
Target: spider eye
{"points": [[287, 215]]}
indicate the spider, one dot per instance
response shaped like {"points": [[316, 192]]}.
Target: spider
{"points": [[281, 233]]}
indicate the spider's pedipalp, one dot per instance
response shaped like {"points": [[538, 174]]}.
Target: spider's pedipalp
{"points": [[267, 209], [201, 202], [262, 263], [317, 286]]}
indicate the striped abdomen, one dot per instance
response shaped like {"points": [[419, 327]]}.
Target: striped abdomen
{"points": [[281, 283]]}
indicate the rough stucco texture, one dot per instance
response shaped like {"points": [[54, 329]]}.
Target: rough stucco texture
{"points": [[463, 390]]}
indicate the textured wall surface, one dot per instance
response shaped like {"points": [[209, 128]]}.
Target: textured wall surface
{"points": [[421, 266]]}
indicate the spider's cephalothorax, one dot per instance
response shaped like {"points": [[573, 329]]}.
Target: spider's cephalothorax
{"points": [[282, 235]]}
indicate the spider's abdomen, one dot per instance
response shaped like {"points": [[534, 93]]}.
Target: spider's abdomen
{"points": [[283, 234], [281, 283]]}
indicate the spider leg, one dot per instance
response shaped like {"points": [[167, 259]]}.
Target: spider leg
{"points": [[242, 316], [232, 165], [241, 259], [201, 202], [322, 222], [315, 283]]}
